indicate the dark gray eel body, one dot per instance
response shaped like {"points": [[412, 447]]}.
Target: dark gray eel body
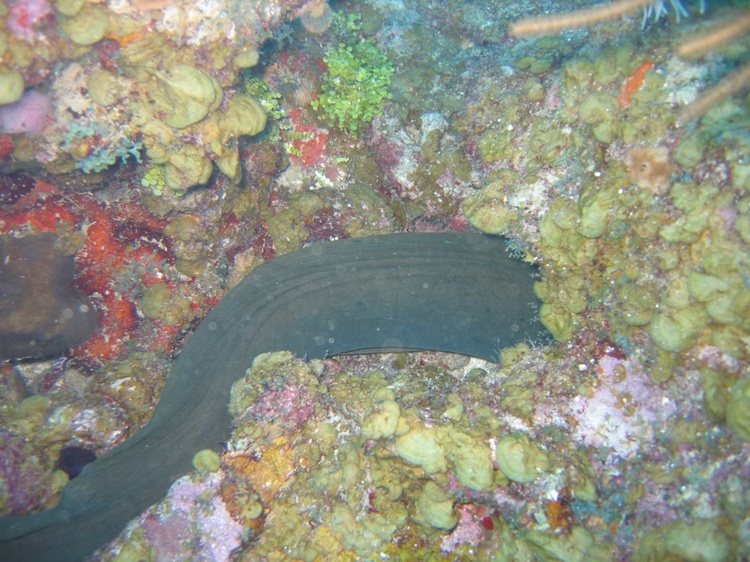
{"points": [[450, 292]]}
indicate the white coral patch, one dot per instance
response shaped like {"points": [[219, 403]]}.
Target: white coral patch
{"points": [[624, 409]]}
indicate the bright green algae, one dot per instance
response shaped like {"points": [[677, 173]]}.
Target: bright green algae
{"points": [[356, 80]]}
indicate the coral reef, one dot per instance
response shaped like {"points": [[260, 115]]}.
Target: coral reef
{"points": [[692, 47], [626, 440], [124, 86], [323, 463]]}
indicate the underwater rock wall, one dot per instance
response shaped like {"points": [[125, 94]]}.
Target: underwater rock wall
{"points": [[114, 79], [625, 441]]}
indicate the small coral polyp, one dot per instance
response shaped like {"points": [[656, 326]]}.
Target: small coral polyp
{"points": [[317, 17]]}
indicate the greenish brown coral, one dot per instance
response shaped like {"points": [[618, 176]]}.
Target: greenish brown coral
{"points": [[186, 94], [365, 438], [644, 248], [11, 85], [487, 211], [88, 24]]}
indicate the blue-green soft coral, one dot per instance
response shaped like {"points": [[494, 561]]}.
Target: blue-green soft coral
{"points": [[104, 148]]}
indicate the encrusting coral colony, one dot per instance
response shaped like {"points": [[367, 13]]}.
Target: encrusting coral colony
{"points": [[171, 146]]}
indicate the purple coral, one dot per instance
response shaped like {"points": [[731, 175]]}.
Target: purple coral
{"points": [[23, 15], [622, 412], [22, 481], [196, 525], [27, 115]]}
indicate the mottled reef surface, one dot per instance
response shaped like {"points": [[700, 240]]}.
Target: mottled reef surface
{"points": [[172, 146]]}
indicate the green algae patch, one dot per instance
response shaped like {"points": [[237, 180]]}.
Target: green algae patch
{"points": [[436, 507], [520, 459], [487, 211], [206, 460], [420, 446], [356, 82]]}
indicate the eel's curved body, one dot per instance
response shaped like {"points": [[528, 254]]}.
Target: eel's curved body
{"points": [[446, 292]]}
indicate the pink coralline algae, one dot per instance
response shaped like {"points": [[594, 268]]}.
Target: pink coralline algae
{"points": [[622, 412], [22, 485], [472, 526], [196, 524], [23, 15], [27, 115], [291, 406]]}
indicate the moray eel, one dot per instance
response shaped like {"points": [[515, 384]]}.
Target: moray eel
{"points": [[41, 313], [454, 292]]}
